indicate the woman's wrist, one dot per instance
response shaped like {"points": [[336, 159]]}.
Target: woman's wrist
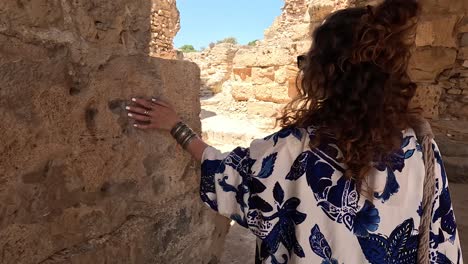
{"points": [[174, 125], [183, 134], [189, 140], [196, 148]]}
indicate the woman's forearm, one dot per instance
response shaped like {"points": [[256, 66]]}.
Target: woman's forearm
{"points": [[196, 148]]}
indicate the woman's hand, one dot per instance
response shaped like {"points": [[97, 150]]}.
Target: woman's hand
{"points": [[159, 114]]}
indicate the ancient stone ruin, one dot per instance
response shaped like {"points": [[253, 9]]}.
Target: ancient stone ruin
{"points": [[165, 23], [243, 87], [265, 75], [78, 183]]}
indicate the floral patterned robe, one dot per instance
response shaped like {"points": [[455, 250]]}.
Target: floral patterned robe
{"points": [[302, 209]]}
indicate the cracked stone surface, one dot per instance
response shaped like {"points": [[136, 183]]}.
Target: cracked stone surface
{"points": [[79, 184]]}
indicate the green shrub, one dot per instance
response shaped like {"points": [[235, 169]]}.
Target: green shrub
{"points": [[253, 42], [187, 48], [231, 40]]}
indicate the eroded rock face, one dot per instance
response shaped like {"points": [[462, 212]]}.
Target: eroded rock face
{"points": [[79, 184], [439, 63], [439, 57], [165, 23], [216, 65], [267, 71]]}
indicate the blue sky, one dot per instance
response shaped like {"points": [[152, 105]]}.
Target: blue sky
{"points": [[205, 21]]}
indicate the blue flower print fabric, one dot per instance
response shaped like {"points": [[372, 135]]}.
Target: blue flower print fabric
{"points": [[302, 209]]}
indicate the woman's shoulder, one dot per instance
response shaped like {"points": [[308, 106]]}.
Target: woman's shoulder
{"points": [[285, 138], [411, 138]]}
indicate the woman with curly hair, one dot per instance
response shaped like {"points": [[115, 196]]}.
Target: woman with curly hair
{"points": [[343, 180]]}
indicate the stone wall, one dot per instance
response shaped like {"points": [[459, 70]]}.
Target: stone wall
{"points": [[291, 24], [440, 66], [216, 65], [79, 184], [266, 73], [165, 23]]}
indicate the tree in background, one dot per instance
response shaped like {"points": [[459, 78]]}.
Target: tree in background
{"points": [[253, 43], [231, 40], [212, 44], [187, 48]]}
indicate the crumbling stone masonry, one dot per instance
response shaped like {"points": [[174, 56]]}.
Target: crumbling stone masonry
{"points": [[262, 77], [165, 23], [78, 184], [267, 72]]}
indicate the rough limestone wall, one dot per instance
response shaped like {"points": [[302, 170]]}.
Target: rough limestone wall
{"points": [[264, 72], [440, 67], [165, 23], [267, 72], [79, 184], [291, 24], [216, 65]]}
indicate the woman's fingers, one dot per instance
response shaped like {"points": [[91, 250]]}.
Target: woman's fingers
{"points": [[160, 114], [142, 102], [136, 109], [162, 103], [139, 117], [144, 126]]}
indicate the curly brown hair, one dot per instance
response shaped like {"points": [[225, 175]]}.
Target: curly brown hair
{"points": [[354, 83]]}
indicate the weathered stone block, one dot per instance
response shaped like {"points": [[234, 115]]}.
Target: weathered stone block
{"points": [[242, 73], [463, 53], [464, 40], [80, 184], [427, 97], [89, 177], [263, 75], [302, 47], [222, 53], [318, 11], [463, 25], [423, 66], [284, 73], [242, 91], [456, 168], [265, 109], [301, 32], [293, 84], [437, 31], [435, 7], [272, 93], [281, 75], [263, 57]]}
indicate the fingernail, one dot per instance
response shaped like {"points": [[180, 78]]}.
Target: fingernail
{"points": [[127, 107], [152, 99], [135, 125], [129, 114], [133, 99]]}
